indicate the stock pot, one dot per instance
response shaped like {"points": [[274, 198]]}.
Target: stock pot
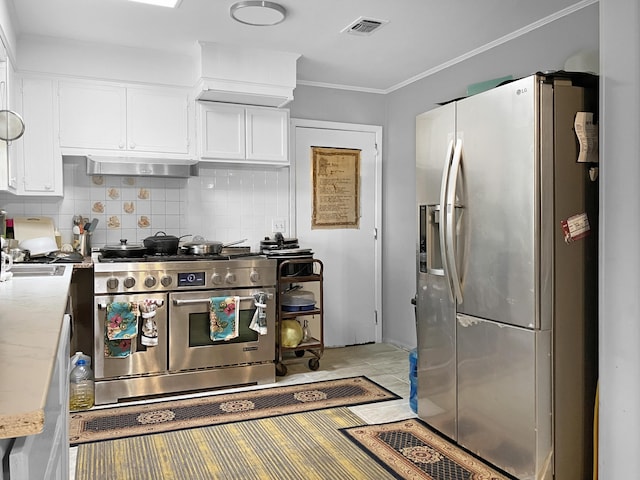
{"points": [[162, 244], [205, 247]]}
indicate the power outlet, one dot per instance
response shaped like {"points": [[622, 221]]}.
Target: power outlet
{"points": [[278, 225]]}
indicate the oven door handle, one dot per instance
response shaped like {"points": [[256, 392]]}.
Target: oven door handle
{"points": [[178, 302], [104, 305]]}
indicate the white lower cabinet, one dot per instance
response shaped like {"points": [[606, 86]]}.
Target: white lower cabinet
{"points": [[46, 455], [39, 162], [230, 133]]}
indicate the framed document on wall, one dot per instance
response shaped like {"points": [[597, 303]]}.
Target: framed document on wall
{"points": [[335, 187]]}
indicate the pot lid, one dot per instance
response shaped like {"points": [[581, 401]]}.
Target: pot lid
{"points": [[163, 237], [198, 243], [124, 246]]}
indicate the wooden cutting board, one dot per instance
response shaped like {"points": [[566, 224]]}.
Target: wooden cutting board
{"points": [[25, 228]]}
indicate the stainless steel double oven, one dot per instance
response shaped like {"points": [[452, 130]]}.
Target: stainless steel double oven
{"points": [[182, 357]]}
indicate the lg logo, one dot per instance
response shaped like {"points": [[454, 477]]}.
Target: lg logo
{"points": [[521, 91]]}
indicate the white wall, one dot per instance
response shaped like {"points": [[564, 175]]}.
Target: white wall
{"points": [[335, 105], [546, 48], [619, 233]]}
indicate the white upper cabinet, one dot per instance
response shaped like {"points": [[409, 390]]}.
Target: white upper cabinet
{"points": [[222, 131], [92, 116], [237, 134], [38, 154], [157, 121], [267, 135], [8, 97], [14, 95], [134, 121]]}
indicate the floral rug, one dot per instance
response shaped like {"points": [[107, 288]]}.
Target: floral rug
{"points": [[125, 421], [410, 450]]}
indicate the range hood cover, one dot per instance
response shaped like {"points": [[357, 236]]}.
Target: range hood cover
{"points": [[250, 76], [142, 167]]}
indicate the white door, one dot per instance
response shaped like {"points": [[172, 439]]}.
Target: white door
{"points": [[351, 257]]}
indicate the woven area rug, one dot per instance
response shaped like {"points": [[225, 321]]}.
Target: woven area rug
{"points": [[410, 450], [303, 446], [118, 422]]}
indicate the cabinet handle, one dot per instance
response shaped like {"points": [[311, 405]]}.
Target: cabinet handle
{"points": [[121, 146], [132, 146]]}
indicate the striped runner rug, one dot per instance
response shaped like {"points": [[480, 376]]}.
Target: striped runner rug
{"points": [[301, 446]]}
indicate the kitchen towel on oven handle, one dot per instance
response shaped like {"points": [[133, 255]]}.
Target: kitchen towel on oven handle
{"points": [[121, 325], [148, 308], [223, 324], [259, 320]]}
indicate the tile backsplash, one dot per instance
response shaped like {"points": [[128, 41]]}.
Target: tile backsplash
{"points": [[223, 204]]}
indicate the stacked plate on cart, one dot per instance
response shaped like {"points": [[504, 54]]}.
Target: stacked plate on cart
{"points": [[298, 301]]}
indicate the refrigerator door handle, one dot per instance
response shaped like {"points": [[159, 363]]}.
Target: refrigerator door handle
{"points": [[443, 217], [450, 223]]}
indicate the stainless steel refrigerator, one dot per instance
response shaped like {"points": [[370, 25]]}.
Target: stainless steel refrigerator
{"points": [[506, 303]]}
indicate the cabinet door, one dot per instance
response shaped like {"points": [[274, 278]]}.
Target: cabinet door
{"points": [[13, 102], [40, 165], [8, 159], [92, 116], [222, 131], [267, 135], [157, 120], [46, 455], [4, 146]]}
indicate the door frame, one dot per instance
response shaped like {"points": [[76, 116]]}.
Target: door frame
{"points": [[377, 233]]}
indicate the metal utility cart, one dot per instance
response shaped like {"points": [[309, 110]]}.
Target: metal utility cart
{"points": [[292, 274]]}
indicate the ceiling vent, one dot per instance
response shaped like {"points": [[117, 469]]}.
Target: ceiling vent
{"points": [[364, 26]]}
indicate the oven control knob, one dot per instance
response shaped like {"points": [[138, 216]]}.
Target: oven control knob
{"points": [[129, 282], [230, 277], [112, 283], [216, 279], [150, 281], [165, 281], [254, 276]]}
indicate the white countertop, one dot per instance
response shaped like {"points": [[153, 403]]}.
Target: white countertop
{"points": [[31, 315]]}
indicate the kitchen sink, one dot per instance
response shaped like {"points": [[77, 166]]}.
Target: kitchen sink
{"points": [[32, 270]]}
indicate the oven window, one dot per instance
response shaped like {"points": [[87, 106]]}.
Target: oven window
{"points": [[199, 329]]}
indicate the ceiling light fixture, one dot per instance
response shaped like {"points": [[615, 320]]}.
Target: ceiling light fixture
{"points": [[160, 3], [258, 13]]}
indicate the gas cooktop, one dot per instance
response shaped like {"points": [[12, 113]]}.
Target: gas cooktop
{"points": [[180, 257]]}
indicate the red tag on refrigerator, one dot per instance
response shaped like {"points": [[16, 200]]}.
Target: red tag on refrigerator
{"points": [[576, 227]]}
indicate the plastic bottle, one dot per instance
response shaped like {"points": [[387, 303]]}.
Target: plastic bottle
{"points": [[81, 386], [77, 356]]}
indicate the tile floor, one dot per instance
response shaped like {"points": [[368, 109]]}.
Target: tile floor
{"points": [[385, 364]]}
